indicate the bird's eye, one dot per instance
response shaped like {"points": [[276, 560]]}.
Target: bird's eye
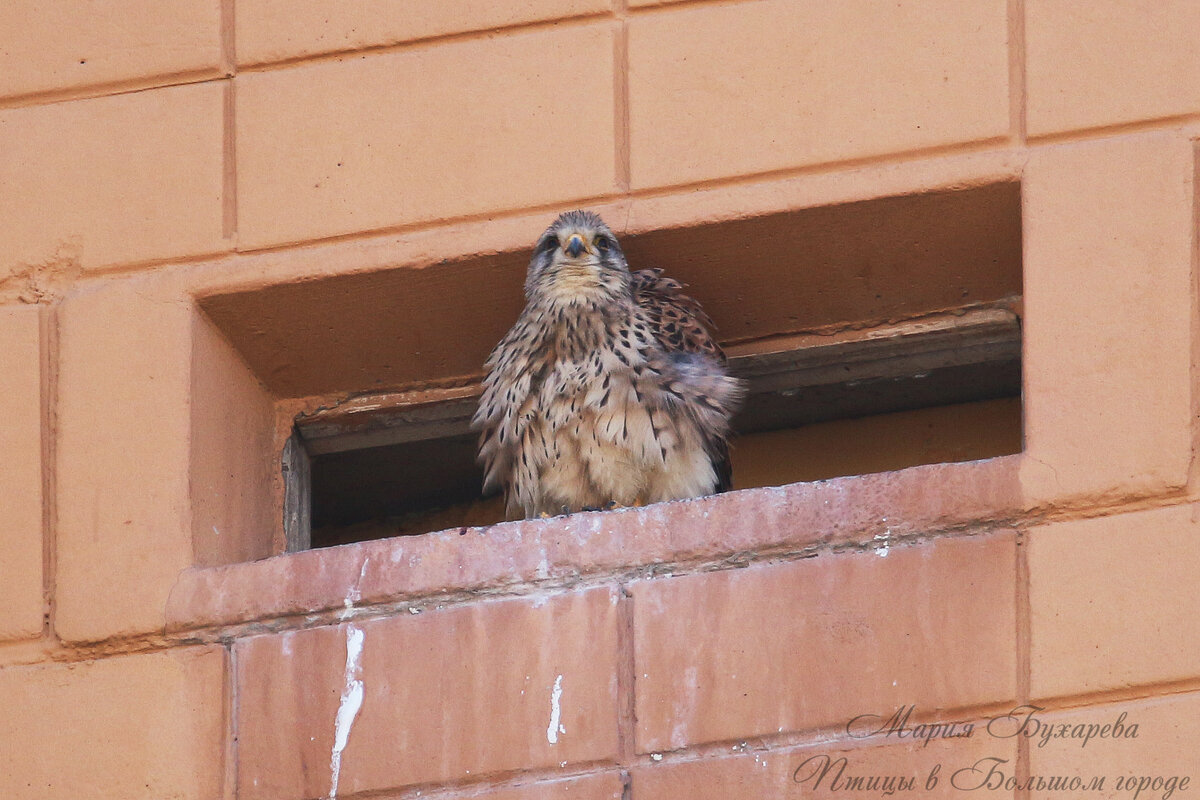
{"points": [[602, 242], [549, 242]]}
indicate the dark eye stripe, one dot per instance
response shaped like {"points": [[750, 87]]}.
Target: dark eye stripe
{"points": [[547, 243]]}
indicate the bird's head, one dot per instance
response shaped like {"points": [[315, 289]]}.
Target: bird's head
{"points": [[577, 259]]}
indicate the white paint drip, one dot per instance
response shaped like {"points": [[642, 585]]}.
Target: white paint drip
{"points": [[555, 727], [352, 700]]}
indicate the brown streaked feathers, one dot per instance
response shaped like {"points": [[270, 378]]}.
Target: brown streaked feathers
{"points": [[680, 325], [678, 321], [608, 390]]}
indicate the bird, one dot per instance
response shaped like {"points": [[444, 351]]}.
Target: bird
{"points": [[608, 391]]}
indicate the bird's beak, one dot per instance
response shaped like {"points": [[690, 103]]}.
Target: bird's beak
{"points": [[575, 245]]}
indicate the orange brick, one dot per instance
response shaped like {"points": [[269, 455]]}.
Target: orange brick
{"points": [[111, 180], [423, 134], [142, 726], [272, 30], [605, 786], [1113, 601], [818, 771], [446, 695], [763, 650], [1108, 303], [46, 46], [20, 473], [1090, 64], [233, 455], [122, 457], [1163, 747], [719, 90], [803, 515]]}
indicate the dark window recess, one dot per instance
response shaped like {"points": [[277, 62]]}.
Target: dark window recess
{"points": [[873, 335], [385, 465]]}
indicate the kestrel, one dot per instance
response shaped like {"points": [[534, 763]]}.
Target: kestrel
{"points": [[609, 390]]}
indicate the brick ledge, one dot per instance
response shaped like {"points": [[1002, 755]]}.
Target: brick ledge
{"points": [[769, 521]]}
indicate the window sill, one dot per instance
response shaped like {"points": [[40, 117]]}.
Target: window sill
{"points": [[667, 537]]}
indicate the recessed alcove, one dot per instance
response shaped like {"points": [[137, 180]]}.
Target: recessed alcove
{"points": [[874, 335]]}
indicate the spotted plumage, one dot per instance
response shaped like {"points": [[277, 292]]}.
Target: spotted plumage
{"points": [[608, 390]]}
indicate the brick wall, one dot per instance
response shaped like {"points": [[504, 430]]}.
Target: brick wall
{"points": [[710, 649]]}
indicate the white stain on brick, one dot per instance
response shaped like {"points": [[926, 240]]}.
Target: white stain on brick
{"points": [[354, 593], [351, 703], [555, 727], [885, 543]]}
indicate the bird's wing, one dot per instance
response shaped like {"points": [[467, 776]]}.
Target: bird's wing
{"points": [[681, 326], [678, 321]]}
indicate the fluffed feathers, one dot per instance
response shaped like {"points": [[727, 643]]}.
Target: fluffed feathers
{"points": [[608, 389]]}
